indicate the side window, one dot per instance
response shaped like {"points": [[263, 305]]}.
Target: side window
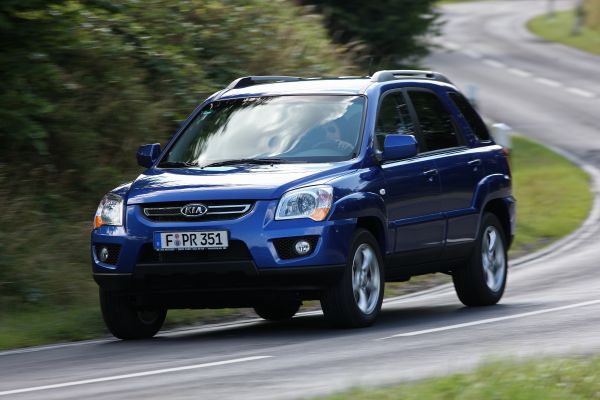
{"points": [[473, 119], [393, 118], [435, 121]]}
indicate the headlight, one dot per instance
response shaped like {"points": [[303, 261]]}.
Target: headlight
{"points": [[311, 202], [110, 211]]}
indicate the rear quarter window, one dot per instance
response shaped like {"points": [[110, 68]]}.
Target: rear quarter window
{"points": [[471, 116]]}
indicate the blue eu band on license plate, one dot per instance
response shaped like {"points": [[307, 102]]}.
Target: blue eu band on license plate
{"points": [[191, 240]]}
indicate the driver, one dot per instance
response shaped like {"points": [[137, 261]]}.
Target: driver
{"points": [[334, 135]]}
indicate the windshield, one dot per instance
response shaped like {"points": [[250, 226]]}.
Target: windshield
{"points": [[271, 129]]}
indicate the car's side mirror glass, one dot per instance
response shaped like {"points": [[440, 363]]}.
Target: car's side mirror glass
{"points": [[398, 147], [147, 154]]}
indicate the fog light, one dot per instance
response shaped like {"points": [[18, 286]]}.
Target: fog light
{"points": [[302, 247], [103, 254]]}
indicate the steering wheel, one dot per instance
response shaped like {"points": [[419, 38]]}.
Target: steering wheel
{"points": [[340, 146], [328, 144]]}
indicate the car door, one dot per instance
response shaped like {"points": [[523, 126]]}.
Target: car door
{"points": [[460, 169], [412, 190]]}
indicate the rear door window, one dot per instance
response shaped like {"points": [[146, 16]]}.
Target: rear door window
{"points": [[434, 119]]}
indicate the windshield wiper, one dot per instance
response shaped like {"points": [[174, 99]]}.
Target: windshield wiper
{"points": [[176, 164], [259, 161]]}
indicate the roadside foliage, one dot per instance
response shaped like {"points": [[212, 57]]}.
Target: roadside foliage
{"points": [[85, 82], [592, 10], [388, 34]]}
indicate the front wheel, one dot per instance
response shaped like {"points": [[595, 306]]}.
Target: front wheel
{"points": [[125, 321], [355, 300], [482, 281]]}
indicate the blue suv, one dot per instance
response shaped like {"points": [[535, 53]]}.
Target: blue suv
{"points": [[282, 189]]}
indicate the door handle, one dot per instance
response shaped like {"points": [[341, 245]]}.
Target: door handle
{"points": [[476, 163], [430, 174]]}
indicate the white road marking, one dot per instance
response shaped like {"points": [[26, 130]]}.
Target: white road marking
{"points": [[177, 331], [210, 327], [581, 92], [519, 72], [54, 346], [129, 376], [492, 320], [548, 82], [494, 63], [451, 45], [472, 53]]}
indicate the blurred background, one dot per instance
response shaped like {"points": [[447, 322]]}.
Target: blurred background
{"points": [[83, 83]]}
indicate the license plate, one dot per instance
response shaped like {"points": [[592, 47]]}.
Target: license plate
{"points": [[190, 240]]}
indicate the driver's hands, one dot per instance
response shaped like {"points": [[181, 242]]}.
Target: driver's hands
{"points": [[344, 146]]}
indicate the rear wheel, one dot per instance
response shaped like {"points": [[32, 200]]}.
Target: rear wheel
{"points": [[482, 281], [355, 300], [278, 311], [126, 321]]}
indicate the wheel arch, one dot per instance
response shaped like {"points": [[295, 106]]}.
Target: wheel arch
{"points": [[375, 227], [500, 209], [369, 212]]}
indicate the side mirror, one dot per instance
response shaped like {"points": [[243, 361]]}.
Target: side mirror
{"points": [[397, 147], [147, 154]]}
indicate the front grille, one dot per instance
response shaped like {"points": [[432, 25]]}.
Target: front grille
{"points": [[216, 211], [113, 252], [286, 246], [237, 251]]}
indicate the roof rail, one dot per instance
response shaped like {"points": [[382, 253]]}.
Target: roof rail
{"points": [[255, 80], [390, 75]]}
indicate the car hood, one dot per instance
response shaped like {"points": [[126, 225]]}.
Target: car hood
{"points": [[247, 182]]}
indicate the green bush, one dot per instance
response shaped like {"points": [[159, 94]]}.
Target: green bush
{"points": [[84, 82]]}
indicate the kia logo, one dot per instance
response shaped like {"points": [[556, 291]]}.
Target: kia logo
{"points": [[194, 210]]}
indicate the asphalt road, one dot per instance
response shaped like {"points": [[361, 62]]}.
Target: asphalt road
{"points": [[552, 304]]}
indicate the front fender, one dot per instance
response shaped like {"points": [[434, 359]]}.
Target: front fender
{"points": [[363, 204], [358, 205]]}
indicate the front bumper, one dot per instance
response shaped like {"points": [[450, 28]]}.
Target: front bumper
{"points": [[258, 265]]}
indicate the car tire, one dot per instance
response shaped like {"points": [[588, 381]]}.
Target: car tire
{"points": [[125, 321], [355, 300], [482, 281], [280, 310]]}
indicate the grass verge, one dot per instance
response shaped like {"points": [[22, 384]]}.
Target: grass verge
{"points": [[553, 199], [574, 379], [553, 195], [558, 29]]}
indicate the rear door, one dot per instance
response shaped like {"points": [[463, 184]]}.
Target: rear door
{"points": [[460, 169], [413, 190]]}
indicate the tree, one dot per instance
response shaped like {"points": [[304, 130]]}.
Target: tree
{"points": [[393, 31], [579, 18], [85, 81]]}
